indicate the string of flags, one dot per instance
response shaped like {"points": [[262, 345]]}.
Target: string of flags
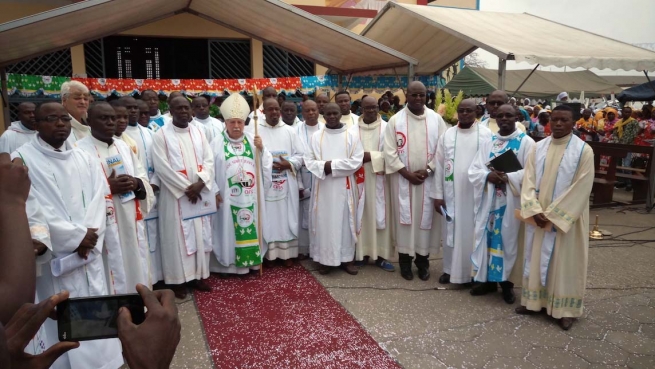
{"points": [[50, 86]]}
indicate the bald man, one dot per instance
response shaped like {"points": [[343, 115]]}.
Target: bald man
{"points": [[494, 101], [410, 144], [453, 192], [21, 131]]}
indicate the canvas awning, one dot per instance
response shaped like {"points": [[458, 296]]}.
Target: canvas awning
{"points": [[642, 92], [542, 84], [271, 21], [439, 37]]}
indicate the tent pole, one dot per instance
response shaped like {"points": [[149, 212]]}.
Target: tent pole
{"points": [[5, 97], [525, 80], [502, 66]]}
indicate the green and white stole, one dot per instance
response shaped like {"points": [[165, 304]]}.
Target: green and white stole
{"points": [[240, 173], [568, 167]]}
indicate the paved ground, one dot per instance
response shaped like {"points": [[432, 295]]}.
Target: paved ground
{"points": [[424, 325]]}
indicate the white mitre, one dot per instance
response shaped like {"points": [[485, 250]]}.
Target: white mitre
{"points": [[235, 106]]}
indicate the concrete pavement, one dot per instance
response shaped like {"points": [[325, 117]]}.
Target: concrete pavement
{"points": [[424, 325]]}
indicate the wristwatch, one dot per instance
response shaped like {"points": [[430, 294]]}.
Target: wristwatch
{"points": [[430, 172]]}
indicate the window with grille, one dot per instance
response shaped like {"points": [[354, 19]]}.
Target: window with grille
{"points": [[57, 63], [229, 59], [155, 57], [281, 63], [94, 58]]}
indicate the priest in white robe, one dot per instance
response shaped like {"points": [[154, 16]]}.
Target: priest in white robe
{"points": [[333, 157], [498, 234], [342, 98], [238, 243], [557, 182], [410, 144], [131, 197], [282, 198], [454, 192], [139, 132], [211, 126], [70, 189], [184, 164], [75, 98], [494, 101], [156, 119], [305, 130], [375, 240], [21, 131], [289, 112]]}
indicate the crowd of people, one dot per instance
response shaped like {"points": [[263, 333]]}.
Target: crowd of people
{"points": [[162, 200]]}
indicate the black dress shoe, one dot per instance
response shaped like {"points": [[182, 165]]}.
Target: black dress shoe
{"points": [[444, 279], [424, 274], [407, 274], [483, 288], [508, 292]]}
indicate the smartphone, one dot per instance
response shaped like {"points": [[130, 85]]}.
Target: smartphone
{"points": [[93, 318]]}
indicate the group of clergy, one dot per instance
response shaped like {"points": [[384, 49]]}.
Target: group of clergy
{"points": [[122, 194]]}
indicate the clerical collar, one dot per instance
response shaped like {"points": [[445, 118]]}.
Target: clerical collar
{"points": [[156, 115], [235, 140], [47, 146], [510, 136], [414, 115], [278, 125], [335, 130], [562, 140], [25, 128], [203, 120]]}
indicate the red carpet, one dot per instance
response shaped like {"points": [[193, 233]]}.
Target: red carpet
{"points": [[284, 319]]}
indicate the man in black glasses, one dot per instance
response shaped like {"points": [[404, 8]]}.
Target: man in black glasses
{"points": [[410, 143], [494, 101]]}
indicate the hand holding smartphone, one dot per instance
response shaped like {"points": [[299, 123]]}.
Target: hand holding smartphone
{"points": [[93, 318]]}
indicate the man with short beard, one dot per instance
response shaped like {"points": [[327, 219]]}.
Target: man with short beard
{"points": [[498, 253]]}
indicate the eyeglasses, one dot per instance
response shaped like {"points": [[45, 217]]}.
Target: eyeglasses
{"points": [[370, 108], [56, 118], [465, 111]]}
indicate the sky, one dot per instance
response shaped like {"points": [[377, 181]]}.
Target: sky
{"points": [[631, 21]]}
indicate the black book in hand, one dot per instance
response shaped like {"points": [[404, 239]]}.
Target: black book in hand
{"points": [[506, 162]]}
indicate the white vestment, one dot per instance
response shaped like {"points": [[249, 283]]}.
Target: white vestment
{"points": [[305, 182], [349, 120], [223, 224], [375, 239], [410, 141], [282, 198], [78, 131], [144, 139], [15, 136], [495, 261], [129, 215], [70, 188], [557, 182], [457, 149], [333, 224], [493, 125], [182, 156], [211, 126]]}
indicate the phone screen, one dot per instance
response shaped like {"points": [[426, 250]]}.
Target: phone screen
{"points": [[89, 318]]}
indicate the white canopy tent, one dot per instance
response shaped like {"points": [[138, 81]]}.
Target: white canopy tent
{"points": [[439, 37]]}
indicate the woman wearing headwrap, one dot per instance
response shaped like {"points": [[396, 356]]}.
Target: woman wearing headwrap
{"points": [[605, 126]]}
